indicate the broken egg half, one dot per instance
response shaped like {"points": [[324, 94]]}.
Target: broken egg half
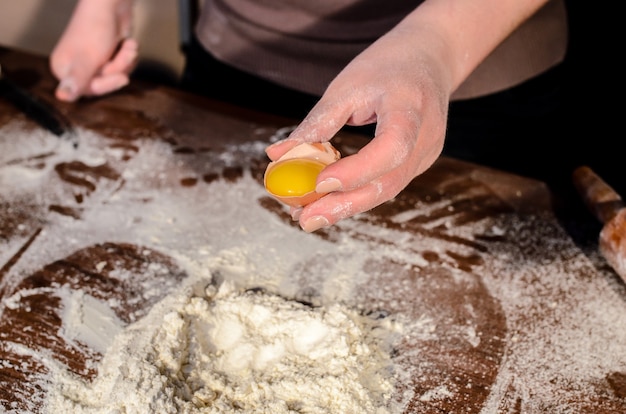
{"points": [[292, 178]]}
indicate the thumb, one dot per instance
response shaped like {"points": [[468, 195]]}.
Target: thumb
{"points": [[73, 82], [74, 75]]}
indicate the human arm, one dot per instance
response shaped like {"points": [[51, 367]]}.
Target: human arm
{"points": [[403, 82], [95, 53]]}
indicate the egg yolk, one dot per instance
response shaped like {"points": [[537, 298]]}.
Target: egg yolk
{"points": [[293, 178]]}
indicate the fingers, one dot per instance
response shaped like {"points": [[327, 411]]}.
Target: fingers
{"points": [[72, 77], [84, 77], [339, 205], [320, 125], [102, 85], [405, 145], [94, 55], [67, 90], [392, 147], [115, 74], [124, 60], [362, 181]]}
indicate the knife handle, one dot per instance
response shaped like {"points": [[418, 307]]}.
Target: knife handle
{"points": [[36, 109]]}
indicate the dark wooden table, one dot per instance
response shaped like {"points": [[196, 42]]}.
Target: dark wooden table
{"points": [[524, 319]]}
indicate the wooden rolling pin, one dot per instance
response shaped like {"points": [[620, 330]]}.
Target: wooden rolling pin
{"points": [[608, 207]]}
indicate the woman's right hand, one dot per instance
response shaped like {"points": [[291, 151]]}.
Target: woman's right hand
{"points": [[95, 55]]}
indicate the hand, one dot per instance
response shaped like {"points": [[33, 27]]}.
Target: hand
{"points": [[403, 82], [405, 89], [95, 55]]}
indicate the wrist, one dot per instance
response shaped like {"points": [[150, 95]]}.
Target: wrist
{"points": [[119, 11]]}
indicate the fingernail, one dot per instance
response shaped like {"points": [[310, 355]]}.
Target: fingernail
{"points": [[67, 89], [315, 223], [275, 144], [295, 214], [328, 186]]}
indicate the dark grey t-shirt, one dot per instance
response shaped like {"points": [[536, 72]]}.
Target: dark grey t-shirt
{"points": [[304, 44]]}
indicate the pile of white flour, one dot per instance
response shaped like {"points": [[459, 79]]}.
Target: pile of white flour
{"points": [[229, 350]]}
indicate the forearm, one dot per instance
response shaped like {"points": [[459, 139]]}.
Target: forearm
{"points": [[96, 11], [461, 34]]}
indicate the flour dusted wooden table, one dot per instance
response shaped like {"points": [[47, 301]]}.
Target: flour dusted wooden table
{"points": [[505, 313]]}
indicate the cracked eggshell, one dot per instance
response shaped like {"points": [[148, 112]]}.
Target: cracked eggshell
{"points": [[291, 178]]}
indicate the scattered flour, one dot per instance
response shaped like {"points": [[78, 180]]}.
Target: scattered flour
{"points": [[88, 320], [209, 349], [239, 351]]}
